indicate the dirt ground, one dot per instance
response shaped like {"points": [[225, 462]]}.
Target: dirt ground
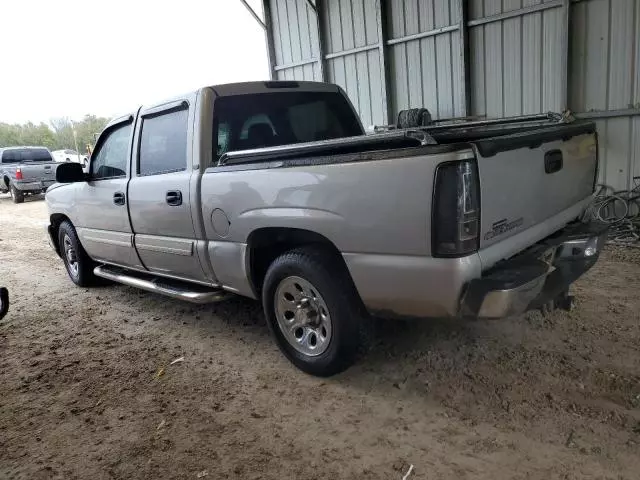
{"points": [[523, 398]]}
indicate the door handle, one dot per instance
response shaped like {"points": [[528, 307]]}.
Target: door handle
{"points": [[119, 198], [174, 198]]}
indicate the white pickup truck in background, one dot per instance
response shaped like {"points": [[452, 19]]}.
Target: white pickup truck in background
{"points": [[272, 190], [62, 156]]}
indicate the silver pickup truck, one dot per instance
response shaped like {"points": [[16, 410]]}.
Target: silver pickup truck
{"points": [[26, 171], [272, 191]]}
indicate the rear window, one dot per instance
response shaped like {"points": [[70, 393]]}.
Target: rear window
{"points": [[163, 143], [269, 119], [18, 155]]}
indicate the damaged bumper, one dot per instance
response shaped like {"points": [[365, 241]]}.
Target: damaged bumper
{"points": [[535, 277]]}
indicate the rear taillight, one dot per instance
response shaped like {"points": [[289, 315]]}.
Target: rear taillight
{"points": [[455, 222], [18, 174]]}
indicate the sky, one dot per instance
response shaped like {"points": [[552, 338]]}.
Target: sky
{"points": [[68, 58]]}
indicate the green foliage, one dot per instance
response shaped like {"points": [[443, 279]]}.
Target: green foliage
{"points": [[56, 136]]}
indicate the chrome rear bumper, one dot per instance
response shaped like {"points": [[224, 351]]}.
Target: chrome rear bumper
{"points": [[535, 277]]}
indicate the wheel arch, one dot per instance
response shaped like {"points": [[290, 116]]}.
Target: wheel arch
{"points": [[55, 220], [265, 244]]}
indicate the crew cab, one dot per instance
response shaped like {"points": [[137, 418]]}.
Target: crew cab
{"points": [[272, 191], [26, 171]]}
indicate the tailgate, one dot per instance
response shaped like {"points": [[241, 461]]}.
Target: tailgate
{"points": [[38, 171], [528, 178]]}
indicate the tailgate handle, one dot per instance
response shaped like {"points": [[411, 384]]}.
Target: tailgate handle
{"points": [[47, 167], [553, 161]]}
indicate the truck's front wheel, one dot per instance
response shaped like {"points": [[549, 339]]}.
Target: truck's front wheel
{"points": [[79, 265], [313, 310]]}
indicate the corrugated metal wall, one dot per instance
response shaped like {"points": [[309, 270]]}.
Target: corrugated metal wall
{"points": [[295, 40], [426, 71], [353, 55], [523, 56], [605, 76], [515, 62], [423, 49]]}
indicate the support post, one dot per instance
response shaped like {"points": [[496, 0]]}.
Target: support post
{"points": [[268, 34], [565, 56], [318, 11], [381, 21], [465, 81], [253, 13]]}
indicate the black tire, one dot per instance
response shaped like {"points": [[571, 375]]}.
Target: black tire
{"points": [[4, 302], [414, 118], [402, 119], [82, 275], [16, 195], [411, 118], [327, 274]]}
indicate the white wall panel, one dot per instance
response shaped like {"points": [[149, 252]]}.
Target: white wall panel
{"points": [[515, 61], [295, 39], [605, 76], [425, 72], [352, 24]]}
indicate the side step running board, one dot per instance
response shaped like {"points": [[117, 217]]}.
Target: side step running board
{"points": [[163, 286]]}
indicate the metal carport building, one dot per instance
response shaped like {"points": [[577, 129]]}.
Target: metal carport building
{"points": [[479, 57]]}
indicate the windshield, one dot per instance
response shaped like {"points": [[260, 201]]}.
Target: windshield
{"points": [[269, 119], [19, 155]]}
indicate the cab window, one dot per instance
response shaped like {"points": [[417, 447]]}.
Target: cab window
{"points": [[261, 120], [110, 161], [163, 143]]}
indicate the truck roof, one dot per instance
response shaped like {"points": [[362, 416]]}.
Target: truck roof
{"points": [[243, 88], [22, 146]]}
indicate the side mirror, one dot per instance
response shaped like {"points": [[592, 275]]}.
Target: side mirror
{"points": [[69, 173]]}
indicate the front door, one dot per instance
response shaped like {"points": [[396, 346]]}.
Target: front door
{"points": [[102, 222], [160, 192]]}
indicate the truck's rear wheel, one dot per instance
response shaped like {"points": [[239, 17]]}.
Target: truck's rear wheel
{"points": [[16, 195], [313, 310], [78, 264]]}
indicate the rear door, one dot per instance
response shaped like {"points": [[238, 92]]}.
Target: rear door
{"points": [[102, 218], [536, 180], [160, 191]]}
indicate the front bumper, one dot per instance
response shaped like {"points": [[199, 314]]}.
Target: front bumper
{"points": [[538, 275]]}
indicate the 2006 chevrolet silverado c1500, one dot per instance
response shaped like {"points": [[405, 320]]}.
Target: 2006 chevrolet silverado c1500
{"points": [[271, 190]]}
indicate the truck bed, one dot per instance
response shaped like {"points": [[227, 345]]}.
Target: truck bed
{"points": [[489, 135], [536, 173]]}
